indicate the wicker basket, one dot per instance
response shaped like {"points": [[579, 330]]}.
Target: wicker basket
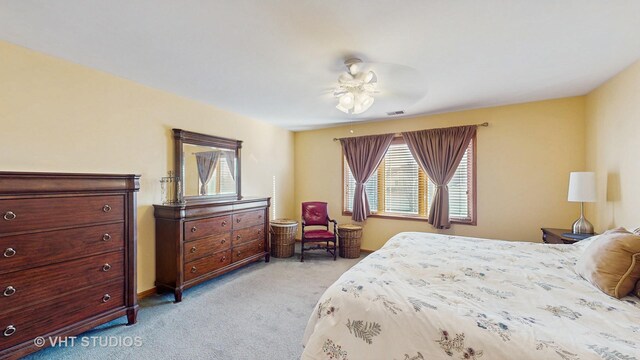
{"points": [[283, 237], [350, 239]]}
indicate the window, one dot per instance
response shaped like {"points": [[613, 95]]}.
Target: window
{"points": [[221, 181], [400, 188]]}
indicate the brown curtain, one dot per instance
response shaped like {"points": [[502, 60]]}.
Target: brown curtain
{"points": [[363, 155], [439, 152], [207, 162]]}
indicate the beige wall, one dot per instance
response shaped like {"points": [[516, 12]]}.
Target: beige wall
{"points": [[524, 158], [613, 150], [61, 117]]}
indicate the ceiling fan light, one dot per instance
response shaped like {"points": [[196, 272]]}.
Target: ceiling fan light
{"points": [[358, 109], [367, 102], [343, 109], [354, 68], [355, 88], [346, 100], [345, 77], [371, 77]]}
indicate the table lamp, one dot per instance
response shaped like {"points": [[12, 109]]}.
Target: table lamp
{"points": [[582, 188]]}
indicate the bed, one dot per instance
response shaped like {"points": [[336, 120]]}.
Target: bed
{"points": [[429, 296]]}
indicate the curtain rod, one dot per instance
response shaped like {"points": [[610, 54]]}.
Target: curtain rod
{"points": [[485, 124]]}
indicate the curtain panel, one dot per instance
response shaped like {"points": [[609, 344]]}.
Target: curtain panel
{"points": [[206, 162], [439, 152], [363, 155], [230, 157]]}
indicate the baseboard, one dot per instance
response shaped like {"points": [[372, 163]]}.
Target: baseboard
{"points": [[146, 293]]}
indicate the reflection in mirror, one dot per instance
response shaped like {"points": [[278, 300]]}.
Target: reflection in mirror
{"points": [[208, 170]]}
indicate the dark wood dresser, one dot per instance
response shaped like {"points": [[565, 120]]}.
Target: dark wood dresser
{"points": [[67, 255], [198, 241]]}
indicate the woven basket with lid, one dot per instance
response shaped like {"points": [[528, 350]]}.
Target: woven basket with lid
{"points": [[350, 240], [283, 237]]}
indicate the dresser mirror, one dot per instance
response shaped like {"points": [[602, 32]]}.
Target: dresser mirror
{"points": [[208, 166]]}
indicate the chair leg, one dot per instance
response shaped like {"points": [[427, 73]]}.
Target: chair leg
{"points": [[335, 252], [302, 250]]}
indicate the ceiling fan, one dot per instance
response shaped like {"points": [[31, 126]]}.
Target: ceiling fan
{"points": [[358, 87]]}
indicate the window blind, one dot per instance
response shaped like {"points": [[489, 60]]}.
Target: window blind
{"points": [[400, 181], [227, 184]]}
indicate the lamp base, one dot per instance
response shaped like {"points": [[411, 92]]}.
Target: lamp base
{"points": [[582, 226]]}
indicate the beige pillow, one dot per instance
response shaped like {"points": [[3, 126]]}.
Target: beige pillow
{"points": [[612, 262]]}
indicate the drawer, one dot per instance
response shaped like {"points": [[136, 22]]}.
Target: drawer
{"points": [[49, 316], [248, 218], [46, 213], [196, 249], [31, 250], [25, 288], [206, 265], [197, 229], [248, 234], [244, 251]]}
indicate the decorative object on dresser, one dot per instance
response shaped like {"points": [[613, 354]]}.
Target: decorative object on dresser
{"points": [[582, 188], [215, 230], [562, 236], [68, 260]]}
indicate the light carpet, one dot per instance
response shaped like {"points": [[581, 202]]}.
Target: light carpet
{"points": [[257, 312]]}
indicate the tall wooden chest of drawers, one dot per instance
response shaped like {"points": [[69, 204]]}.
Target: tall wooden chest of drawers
{"points": [[67, 255], [199, 241]]}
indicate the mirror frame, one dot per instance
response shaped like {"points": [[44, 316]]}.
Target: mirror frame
{"points": [[187, 137]]}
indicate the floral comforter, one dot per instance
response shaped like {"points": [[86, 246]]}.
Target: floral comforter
{"points": [[428, 296]]}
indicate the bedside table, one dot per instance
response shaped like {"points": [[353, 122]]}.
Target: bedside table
{"points": [[554, 236]]}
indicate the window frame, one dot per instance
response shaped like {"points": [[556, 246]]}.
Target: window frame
{"points": [[473, 210]]}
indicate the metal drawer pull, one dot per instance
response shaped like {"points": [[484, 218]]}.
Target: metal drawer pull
{"points": [[223, 241], [224, 222], [238, 220], [194, 249], [194, 229], [239, 252], [9, 252], [10, 215], [106, 237], [194, 269], [106, 267], [259, 231], [238, 237], [223, 259], [106, 298], [106, 208], [10, 330], [259, 216], [10, 290]]}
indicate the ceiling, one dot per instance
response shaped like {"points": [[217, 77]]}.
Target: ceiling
{"points": [[277, 60]]}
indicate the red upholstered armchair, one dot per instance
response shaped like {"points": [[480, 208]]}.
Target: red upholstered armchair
{"points": [[316, 214]]}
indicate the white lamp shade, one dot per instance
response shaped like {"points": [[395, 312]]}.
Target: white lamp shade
{"points": [[582, 187]]}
